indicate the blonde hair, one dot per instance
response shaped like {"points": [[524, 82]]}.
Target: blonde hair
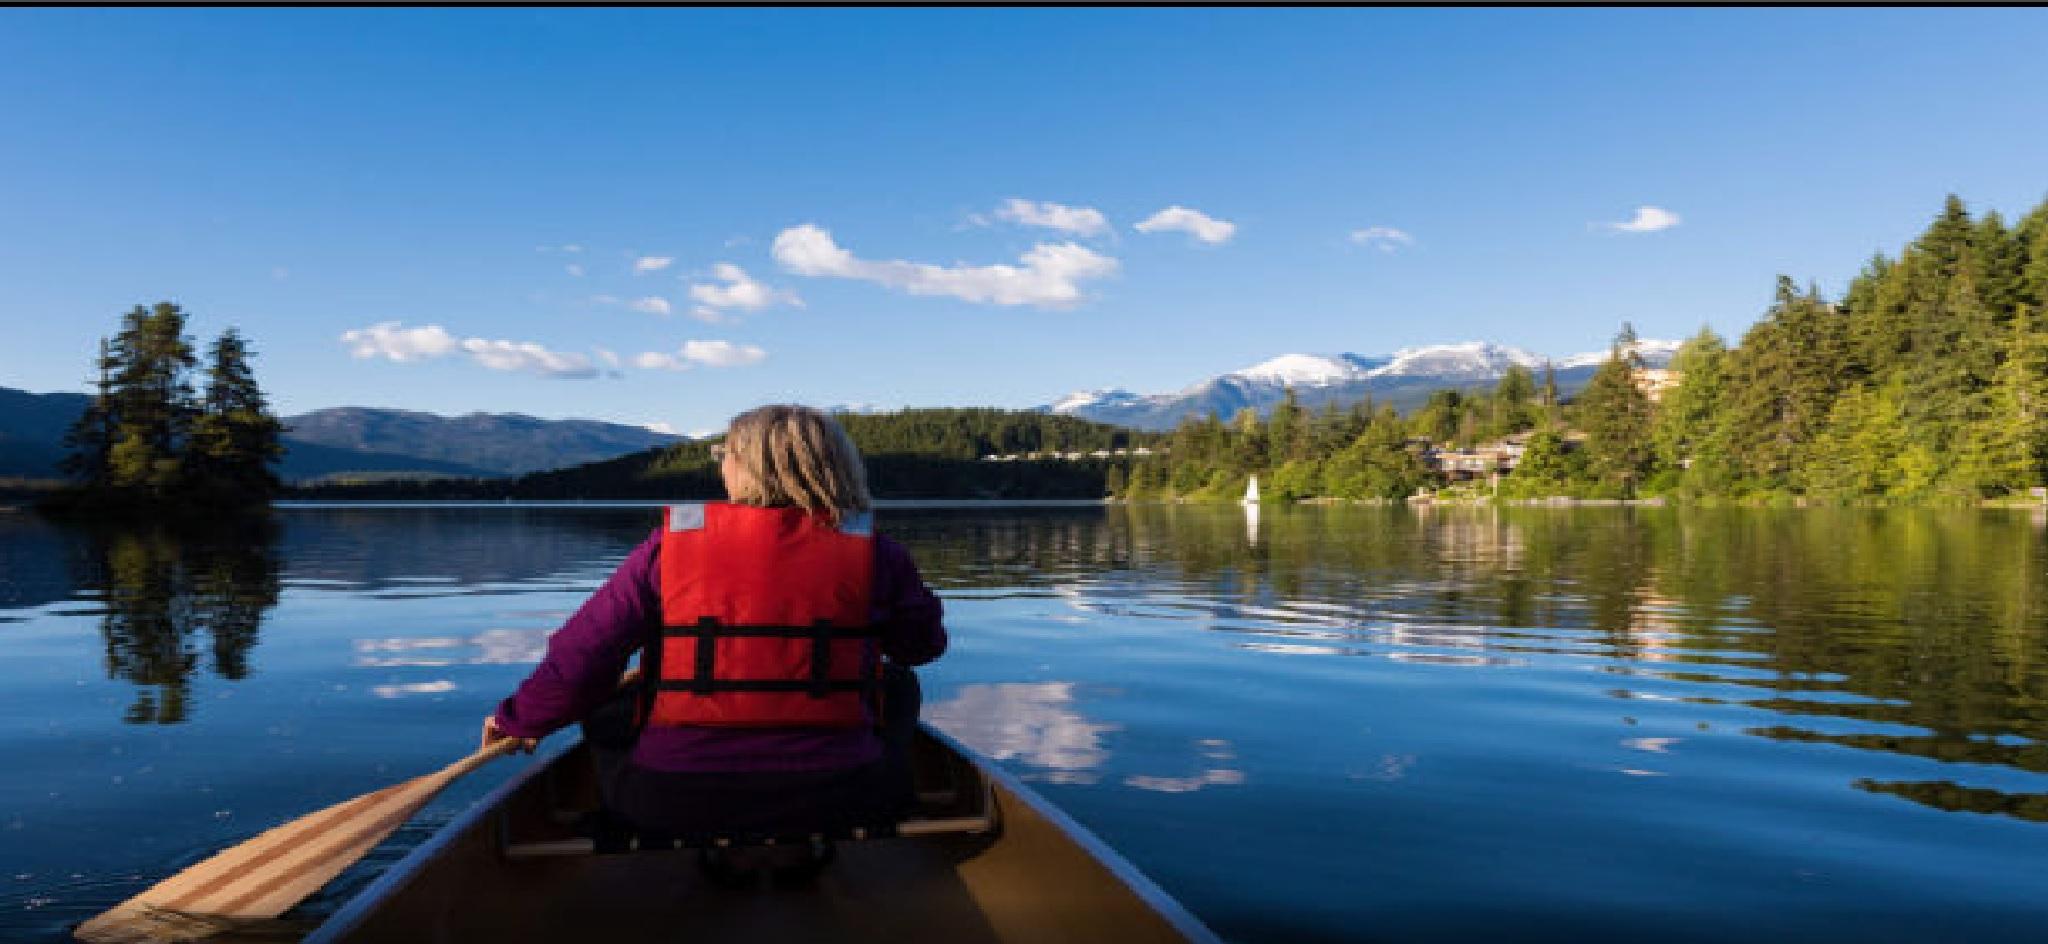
{"points": [[795, 455]]}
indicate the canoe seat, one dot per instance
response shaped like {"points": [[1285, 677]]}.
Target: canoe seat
{"points": [[951, 799]]}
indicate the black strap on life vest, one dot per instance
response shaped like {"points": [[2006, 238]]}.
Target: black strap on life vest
{"points": [[708, 630]]}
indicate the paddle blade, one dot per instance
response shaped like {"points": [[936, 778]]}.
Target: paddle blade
{"points": [[267, 875]]}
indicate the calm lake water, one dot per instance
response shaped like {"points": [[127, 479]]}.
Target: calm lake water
{"points": [[1380, 724]]}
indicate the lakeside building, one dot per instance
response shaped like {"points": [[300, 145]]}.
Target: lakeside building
{"points": [[1484, 461], [1654, 382], [1139, 452]]}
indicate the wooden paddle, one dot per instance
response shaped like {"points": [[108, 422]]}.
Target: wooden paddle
{"points": [[277, 869]]}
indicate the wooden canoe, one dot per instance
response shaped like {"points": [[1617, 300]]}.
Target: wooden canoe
{"points": [[985, 859]]}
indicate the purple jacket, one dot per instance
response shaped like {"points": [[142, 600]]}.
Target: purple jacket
{"points": [[586, 657]]}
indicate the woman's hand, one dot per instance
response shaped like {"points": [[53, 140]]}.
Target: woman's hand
{"points": [[492, 736]]}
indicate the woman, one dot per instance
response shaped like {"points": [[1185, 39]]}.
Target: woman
{"points": [[762, 704]]}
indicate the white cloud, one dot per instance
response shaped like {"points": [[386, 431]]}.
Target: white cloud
{"points": [[1648, 219], [722, 353], [1080, 221], [1195, 223], [646, 264], [706, 353], [573, 269], [388, 340], [392, 341], [1050, 274], [740, 291], [651, 305], [1382, 238], [569, 247], [528, 356]]}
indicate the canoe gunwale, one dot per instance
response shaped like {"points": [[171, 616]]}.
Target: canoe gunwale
{"points": [[1140, 884]]}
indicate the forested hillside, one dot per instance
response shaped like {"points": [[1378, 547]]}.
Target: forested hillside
{"points": [[910, 454], [1926, 381]]}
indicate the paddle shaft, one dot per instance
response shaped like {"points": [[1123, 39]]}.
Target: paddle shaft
{"points": [[269, 873]]}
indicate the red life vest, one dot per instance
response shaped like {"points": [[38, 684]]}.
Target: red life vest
{"points": [[765, 619]]}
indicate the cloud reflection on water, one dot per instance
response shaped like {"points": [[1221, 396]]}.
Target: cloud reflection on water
{"points": [[490, 647], [1032, 722]]}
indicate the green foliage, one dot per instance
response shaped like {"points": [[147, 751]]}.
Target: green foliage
{"points": [[145, 439], [1378, 465], [1615, 413], [1685, 417], [1549, 467], [235, 440], [1295, 480], [2008, 448], [1926, 381]]}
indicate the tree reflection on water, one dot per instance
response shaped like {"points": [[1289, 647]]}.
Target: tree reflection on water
{"points": [[1916, 633], [174, 598]]}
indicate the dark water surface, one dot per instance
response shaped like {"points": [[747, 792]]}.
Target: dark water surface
{"points": [[1336, 724]]}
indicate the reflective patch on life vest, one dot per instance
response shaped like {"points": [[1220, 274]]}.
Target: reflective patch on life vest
{"points": [[688, 517], [860, 523]]}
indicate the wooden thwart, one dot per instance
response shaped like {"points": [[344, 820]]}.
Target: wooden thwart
{"points": [[265, 876]]}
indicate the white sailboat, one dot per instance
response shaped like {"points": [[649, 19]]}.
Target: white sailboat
{"points": [[1251, 492]]}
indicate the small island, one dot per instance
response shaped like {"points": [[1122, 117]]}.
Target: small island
{"points": [[149, 444]]}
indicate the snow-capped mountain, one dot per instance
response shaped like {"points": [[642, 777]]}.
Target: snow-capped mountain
{"points": [[1403, 379], [1300, 370], [1655, 353], [1472, 360]]}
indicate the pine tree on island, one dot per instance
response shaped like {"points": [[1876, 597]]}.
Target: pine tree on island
{"points": [[146, 440]]}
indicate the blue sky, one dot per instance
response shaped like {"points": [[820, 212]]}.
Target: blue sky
{"points": [[414, 181]]}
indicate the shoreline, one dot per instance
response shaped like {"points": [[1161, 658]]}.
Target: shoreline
{"points": [[1568, 502], [629, 503]]}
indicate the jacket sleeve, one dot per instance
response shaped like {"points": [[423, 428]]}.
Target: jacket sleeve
{"points": [[588, 654], [911, 618]]}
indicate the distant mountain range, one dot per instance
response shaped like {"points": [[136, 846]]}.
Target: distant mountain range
{"points": [[1404, 379], [402, 442], [357, 440], [489, 443]]}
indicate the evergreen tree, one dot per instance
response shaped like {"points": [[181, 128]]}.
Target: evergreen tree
{"points": [[148, 401], [1857, 454], [1781, 383], [2032, 258], [1379, 465], [236, 439], [144, 438], [1685, 417], [1549, 397], [1441, 417], [1287, 432], [1513, 401], [1615, 413], [2008, 449], [1955, 356], [90, 440]]}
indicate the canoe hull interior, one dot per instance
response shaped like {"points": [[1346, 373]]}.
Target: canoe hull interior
{"points": [[1036, 877]]}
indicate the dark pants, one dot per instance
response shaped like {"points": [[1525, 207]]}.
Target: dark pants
{"points": [[768, 803]]}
